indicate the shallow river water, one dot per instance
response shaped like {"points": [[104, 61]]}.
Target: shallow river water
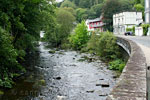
{"points": [[64, 75]]}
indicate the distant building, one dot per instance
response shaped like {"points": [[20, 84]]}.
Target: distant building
{"points": [[124, 20], [147, 11], [95, 24]]}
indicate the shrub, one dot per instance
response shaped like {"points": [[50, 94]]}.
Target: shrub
{"points": [[128, 29], [117, 65], [93, 43], [80, 38], [133, 30], [107, 46], [145, 29]]}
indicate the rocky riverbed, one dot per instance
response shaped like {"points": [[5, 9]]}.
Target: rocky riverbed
{"points": [[63, 75]]}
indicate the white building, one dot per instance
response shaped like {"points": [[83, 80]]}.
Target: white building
{"points": [[147, 11], [124, 20]]}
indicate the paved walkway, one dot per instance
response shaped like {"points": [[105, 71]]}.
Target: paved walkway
{"points": [[144, 43]]}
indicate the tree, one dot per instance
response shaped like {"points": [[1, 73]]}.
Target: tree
{"points": [[71, 10], [20, 25], [97, 9], [62, 27], [68, 3], [65, 19], [126, 5], [110, 7], [81, 14], [85, 4], [139, 7], [79, 39], [137, 1], [8, 60]]}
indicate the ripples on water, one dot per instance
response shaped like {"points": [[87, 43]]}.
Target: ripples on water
{"points": [[61, 76]]}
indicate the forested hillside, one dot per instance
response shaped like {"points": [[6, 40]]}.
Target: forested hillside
{"points": [[90, 9]]}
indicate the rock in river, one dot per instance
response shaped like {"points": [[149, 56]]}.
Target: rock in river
{"points": [[90, 91], [103, 84], [57, 78]]}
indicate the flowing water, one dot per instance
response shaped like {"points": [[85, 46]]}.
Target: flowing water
{"points": [[64, 75]]}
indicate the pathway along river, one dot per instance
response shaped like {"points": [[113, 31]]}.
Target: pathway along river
{"points": [[63, 76]]}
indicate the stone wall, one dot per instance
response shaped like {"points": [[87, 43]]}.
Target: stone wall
{"points": [[132, 82]]}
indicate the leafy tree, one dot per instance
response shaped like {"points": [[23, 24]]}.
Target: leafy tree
{"points": [[137, 1], [76, 2], [126, 5], [8, 60], [65, 19], [85, 4], [61, 28], [97, 9], [139, 7], [80, 38], [81, 14], [20, 22], [90, 14], [110, 8], [71, 10], [68, 3]]}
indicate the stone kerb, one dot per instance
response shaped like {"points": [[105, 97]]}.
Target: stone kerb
{"points": [[132, 82]]}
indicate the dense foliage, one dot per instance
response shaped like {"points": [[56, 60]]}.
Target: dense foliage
{"points": [[79, 39], [20, 24], [64, 23], [8, 60], [145, 29], [117, 65], [103, 45], [108, 47], [90, 9]]}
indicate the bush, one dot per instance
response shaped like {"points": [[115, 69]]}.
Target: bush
{"points": [[128, 29], [145, 29], [80, 38], [131, 29], [117, 65], [107, 46], [93, 43]]}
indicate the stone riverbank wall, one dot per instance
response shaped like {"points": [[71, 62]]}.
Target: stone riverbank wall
{"points": [[132, 82]]}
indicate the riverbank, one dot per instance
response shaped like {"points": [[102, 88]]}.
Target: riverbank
{"points": [[63, 74]]}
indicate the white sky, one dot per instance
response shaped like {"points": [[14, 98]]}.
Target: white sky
{"points": [[59, 0]]}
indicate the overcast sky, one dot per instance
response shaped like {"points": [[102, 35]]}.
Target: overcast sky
{"points": [[59, 0]]}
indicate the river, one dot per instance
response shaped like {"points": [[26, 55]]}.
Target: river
{"points": [[64, 75]]}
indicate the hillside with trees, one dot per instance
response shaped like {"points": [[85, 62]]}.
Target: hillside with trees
{"points": [[90, 9]]}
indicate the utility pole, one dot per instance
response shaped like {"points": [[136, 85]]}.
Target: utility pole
{"points": [[147, 11]]}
